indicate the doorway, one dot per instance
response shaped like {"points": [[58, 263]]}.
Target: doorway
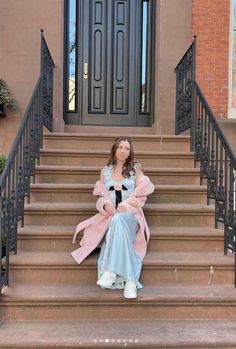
{"points": [[109, 62]]}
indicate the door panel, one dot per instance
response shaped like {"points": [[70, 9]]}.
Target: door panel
{"points": [[97, 87], [120, 58]]}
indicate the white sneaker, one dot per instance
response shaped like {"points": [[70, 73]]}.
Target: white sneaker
{"points": [[107, 279], [130, 290]]}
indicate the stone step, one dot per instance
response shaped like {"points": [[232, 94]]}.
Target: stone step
{"points": [[158, 267], [155, 302], [116, 130], [165, 239], [90, 174], [135, 334], [99, 158], [67, 192], [104, 141], [71, 213]]}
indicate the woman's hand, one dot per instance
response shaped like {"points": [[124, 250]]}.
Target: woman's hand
{"points": [[110, 209]]}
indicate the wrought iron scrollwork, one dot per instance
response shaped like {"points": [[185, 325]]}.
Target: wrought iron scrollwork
{"points": [[198, 141], [211, 177], [230, 226], [220, 199], [184, 87], [47, 70], [204, 161]]}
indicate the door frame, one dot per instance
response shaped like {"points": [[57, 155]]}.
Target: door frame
{"points": [[75, 117]]}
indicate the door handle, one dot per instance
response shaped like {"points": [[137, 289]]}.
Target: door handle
{"points": [[85, 70]]}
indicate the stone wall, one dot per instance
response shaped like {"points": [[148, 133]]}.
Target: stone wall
{"points": [[210, 22], [20, 26], [173, 36]]}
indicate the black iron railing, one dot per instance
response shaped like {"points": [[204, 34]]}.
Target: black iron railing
{"points": [[47, 70], [211, 149], [185, 77], [20, 166]]}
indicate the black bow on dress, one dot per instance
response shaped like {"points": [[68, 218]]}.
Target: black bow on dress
{"points": [[118, 194]]}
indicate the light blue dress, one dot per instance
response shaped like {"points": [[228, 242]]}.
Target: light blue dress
{"points": [[117, 252]]}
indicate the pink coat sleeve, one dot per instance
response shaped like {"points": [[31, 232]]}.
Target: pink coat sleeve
{"points": [[101, 201], [132, 204], [100, 190]]}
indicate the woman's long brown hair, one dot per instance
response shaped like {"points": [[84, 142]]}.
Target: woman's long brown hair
{"points": [[128, 165]]}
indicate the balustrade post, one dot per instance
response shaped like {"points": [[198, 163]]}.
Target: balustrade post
{"points": [[193, 96]]}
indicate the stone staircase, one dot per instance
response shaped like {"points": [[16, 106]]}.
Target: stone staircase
{"points": [[188, 299]]}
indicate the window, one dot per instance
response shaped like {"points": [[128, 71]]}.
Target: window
{"points": [[71, 54], [145, 88]]}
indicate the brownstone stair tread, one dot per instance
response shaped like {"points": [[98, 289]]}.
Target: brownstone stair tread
{"points": [[154, 294], [90, 207], [185, 231], [74, 168], [54, 259], [88, 186], [187, 259], [71, 135], [140, 334], [99, 153], [45, 230], [68, 231]]}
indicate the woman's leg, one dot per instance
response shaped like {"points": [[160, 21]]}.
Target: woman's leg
{"points": [[117, 254]]}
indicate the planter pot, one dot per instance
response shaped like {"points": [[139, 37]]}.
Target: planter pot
{"points": [[2, 114]]}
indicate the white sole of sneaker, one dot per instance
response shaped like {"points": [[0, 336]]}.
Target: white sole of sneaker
{"points": [[104, 284], [130, 297]]}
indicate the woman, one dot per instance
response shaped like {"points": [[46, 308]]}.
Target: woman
{"points": [[120, 227]]}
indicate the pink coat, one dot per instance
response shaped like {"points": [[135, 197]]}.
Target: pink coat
{"points": [[96, 226]]}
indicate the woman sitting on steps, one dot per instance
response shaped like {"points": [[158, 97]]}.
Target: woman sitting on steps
{"points": [[120, 227]]}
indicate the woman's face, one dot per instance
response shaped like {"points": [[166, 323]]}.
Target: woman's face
{"points": [[123, 151]]}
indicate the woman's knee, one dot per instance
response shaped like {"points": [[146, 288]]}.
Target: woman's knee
{"points": [[116, 219]]}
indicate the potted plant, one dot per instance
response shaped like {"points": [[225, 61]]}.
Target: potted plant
{"points": [[6, 99], [3, 160]]}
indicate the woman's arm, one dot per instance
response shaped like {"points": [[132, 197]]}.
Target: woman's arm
{"points": [[138, 171], [102, 175]]}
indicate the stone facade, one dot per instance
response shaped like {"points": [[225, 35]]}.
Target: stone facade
{"points": [[176, 23], [210, 22], [20, 26]]}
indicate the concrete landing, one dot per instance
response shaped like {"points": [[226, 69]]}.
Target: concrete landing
{"points": [[118, 334]]}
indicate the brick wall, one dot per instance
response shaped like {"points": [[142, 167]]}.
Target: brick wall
{"points": [[210, 22]]}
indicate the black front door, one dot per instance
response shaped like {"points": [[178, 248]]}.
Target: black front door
{"points": [[109, 56], [113, 63]]}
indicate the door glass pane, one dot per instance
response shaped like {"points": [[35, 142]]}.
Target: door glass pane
{"points": [[71, 57], [145, 57], [234, 190]]}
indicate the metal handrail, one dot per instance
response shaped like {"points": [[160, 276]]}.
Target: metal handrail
{"points": [[20, 165], [210, 146]]}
